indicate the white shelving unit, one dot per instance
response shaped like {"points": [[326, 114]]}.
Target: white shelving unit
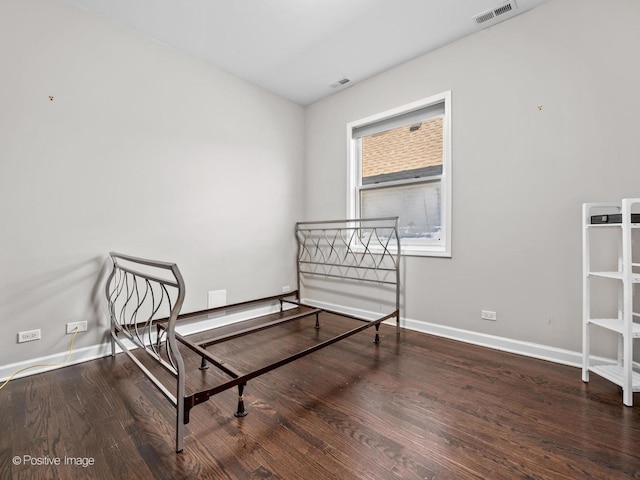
{"points": [[625, 275]]}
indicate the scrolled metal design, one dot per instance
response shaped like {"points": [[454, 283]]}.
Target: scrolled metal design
{"points": [[137, 302], [144, 299]]}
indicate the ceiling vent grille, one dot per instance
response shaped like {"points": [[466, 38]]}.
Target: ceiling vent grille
{"points": [[339, 83], [495, 12]]}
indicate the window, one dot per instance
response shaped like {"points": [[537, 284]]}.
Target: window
{"points": [[400, 165]]}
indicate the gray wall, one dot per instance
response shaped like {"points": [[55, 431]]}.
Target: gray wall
{"points": [[143, 150], [150, 152], [520, 172]]}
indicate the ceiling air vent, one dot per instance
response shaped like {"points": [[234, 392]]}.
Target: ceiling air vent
{"points": [[495, 12], [339, 83]]}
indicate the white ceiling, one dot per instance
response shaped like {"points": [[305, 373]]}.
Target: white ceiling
{"points": [[297, 48]]}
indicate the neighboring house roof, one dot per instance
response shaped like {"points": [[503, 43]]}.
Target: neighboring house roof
{"points": [[403, 152]]}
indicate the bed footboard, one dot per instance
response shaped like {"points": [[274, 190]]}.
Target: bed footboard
{"points": [[143, 295]]}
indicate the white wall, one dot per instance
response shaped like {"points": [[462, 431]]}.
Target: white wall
{"points": [[520, 172], [143, 150]]}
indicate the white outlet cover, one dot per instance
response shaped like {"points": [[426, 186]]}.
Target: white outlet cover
{"points": [[29, 336], [217, 298], [71, 327]]}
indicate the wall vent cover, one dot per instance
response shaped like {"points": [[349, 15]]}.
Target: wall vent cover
{"points": [[495, 12]]}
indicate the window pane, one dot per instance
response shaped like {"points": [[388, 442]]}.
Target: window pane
{"points": [[410, 151], [417, 205], [400, 165]]}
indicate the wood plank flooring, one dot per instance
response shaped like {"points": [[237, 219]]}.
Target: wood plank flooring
{"points": [[413, 407]]}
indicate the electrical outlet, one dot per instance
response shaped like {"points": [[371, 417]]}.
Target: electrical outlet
{"points": [[286, 289], [29, 336], [71, 327], [488, 315]]}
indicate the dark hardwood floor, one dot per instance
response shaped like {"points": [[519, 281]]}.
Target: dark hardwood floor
{"points": [[413, 407]]}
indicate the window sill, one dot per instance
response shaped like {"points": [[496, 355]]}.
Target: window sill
{"points": [[407, 250], [414, 251]]}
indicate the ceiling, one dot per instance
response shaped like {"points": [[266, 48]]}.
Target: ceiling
{"points": [[299, 48]]}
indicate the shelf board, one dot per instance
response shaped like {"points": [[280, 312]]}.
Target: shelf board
{"points": [[616, 325], [604, 225], [635, 277], [615, 374]]}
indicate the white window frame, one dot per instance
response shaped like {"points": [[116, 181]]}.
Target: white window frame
{"points": [[354, 173]]}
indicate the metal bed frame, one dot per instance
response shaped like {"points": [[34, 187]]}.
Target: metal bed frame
{"points": [[145, 297]]}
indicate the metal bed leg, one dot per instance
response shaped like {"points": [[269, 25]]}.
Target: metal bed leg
{"points": [[180, 423], [317, 321], [203, 364], [241, 411], [377, 339]]}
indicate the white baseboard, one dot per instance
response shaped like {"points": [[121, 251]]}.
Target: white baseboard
{"points": [[57, 360], [54, 361], [529, 349]]}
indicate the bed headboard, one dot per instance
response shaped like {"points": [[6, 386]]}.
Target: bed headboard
{"points": [[140, 294], [362, 251]]}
